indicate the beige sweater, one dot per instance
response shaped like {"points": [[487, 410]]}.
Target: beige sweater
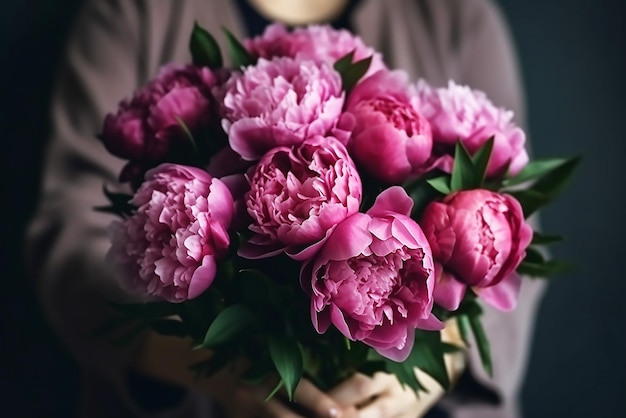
{"points": [[116, 46]]}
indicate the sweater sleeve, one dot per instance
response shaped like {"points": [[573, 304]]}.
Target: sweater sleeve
{"points": [[67, 240], [488, 62]]}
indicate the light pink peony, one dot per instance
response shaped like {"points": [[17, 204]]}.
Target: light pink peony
{"points": [[478, 238], [280, 103], [169, 248], [298, 195], [373, 278], [145, 129], [321, 43], [458, 112], [391, 141]]}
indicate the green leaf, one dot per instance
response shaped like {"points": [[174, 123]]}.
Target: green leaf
{"points": [[258, 372], [470, 307], [547, 187], [354, 73], [187, 132], [372, 367], [405, 374], [351, 72], [231, 322], [238, 53], [274, 391], [119, 203], [197, 314], [357, 354], [287, 359], [441, 184], [531, 200], [204, 48], [481, 160], [343, 63], [462, 170], [554, 181], [258, 289], [482, 343], [422, 194], [545, 269], [542, 239], [428, 356], [451, 348], [535, 169], [533, 255], [464, 328]]}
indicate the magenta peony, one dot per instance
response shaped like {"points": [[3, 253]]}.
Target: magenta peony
{"points": [[146, 128], [170, 246], [373, 278], [460, 113], [478, 238], [321, 43], [298, 195], [391, 141], [280, 102]]}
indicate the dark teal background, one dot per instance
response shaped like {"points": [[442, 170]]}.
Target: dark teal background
{"points": [[572, 56]]}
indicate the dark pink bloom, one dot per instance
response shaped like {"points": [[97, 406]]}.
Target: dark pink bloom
{"points": [[298, 194], [373, 278], [146, 127], [391, 141], [280, 103], [170, 247], [321, 43], [478, 238], [460, 113]]}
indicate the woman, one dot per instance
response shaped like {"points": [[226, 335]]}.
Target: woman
{"points": [[116, 46]]}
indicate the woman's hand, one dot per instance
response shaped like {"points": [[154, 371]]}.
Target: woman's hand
{"points": [[383, 396], [241, 400], [168, 359]]}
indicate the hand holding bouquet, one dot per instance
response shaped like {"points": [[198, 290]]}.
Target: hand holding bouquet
{"points": [[318, 214]]}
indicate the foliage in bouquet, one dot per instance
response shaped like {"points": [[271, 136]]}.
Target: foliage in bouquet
{"points": [[318, 214]]}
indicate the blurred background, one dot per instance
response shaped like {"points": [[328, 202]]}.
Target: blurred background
{"points": [[572, 56]]}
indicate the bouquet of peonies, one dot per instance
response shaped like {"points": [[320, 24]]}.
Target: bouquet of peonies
{"points": [[318, 214]]}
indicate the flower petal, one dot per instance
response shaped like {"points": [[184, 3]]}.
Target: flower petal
{"points": [[393, 199], [502, 296], [448, 291], [399, 354]]}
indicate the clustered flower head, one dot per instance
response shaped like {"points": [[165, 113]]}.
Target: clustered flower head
{"points": [[460, 113], [300, 193], [170, 247], [319, 43], [147, 126], [280, 102]]}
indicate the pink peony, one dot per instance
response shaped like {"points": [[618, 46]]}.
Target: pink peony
{"points": [[373, 278], [145, 128], [391, 141], [478, 238], [170, 246], [298, 194], [321, 43], [457, 112], [280, 103]]}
